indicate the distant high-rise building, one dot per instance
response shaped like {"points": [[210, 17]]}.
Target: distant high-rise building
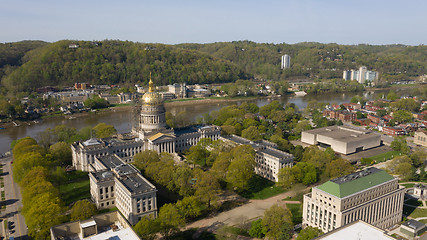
{"points": [[286, 61], [346, 75], [362, 74], [371, 76], [355, 75]]}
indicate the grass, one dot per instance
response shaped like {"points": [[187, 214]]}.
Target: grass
{"points": [[77, 176], [106, 210], [296, 211], [414, 212], [291, 199], [229, 232], [423, 221], [408, 185], [72, 192], [261, 188], [385, 156]]}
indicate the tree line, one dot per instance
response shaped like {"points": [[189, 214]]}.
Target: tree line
{"points": [[116, 62], [39, 169]]}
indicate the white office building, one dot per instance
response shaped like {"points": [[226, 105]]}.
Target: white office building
{"points": [[286, 62]]}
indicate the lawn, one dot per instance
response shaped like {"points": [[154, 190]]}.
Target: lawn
{"points": [[72, 192], [414, 212], [408, 185], [261, 188], [385, 156], [296, 212]]}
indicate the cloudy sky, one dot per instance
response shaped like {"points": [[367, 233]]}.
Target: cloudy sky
{"points": [[200, 21]]}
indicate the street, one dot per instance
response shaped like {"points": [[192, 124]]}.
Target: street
{"points": [[13, 203]]}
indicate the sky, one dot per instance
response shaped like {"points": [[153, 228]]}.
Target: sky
{"points": [[198, 21]]}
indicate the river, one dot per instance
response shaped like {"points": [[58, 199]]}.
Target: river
{"points": [[120, 119]]}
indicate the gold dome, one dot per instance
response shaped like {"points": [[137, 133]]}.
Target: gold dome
{"points": [[151, 97]]}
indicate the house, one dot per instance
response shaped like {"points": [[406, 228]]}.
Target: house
{"points": [[393, 131]]}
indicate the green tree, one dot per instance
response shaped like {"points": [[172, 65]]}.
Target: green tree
{"points": [[45, 211], [251, 133], [83, 209], [189, 207], [286, 179], [309, 233], [170, 219], [402, 166], [392, 96], [96, 103], [147, 228], [338, 167], [143, 159], [257, 229], [241, 168], [25, 163], [207, 188], [301, 126], [221, 164], [104, 130], [402, 116], [197, 155], [61, 153], [277, 222], [399, 144]]}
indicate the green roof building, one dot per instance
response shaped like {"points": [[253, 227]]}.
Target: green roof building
{"points": [[371, 195]]}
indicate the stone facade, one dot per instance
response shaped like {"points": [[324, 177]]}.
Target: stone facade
{"points": [[114, 183], [420, 138], [371, 195]]}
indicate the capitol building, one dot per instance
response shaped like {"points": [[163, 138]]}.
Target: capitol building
{"points": [[115, 183], [149, 132]]}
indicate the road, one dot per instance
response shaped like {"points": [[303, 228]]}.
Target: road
{"points": [[13, 203]]}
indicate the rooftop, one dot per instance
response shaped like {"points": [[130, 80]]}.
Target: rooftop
{"points": [[414, 224], [356, 231], [343, 134], [136, 184], [110, 225], [356, 182], [110, 161]]}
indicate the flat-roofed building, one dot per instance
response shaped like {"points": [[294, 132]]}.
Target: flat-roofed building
{"points": [[268, 159], [113, 183], [110, 225], [412, 228], [342, 139], [357, 230], [371, 195]]}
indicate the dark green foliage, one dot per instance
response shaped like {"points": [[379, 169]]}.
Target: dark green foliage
{"points": [[309, 233], [257, 230], [96, 103], [117, 62]]}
